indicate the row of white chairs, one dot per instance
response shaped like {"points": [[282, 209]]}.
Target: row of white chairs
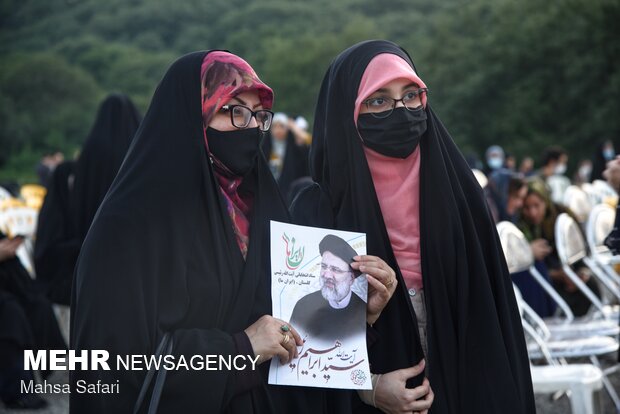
{"points": [[558, 339], [582, 199]]}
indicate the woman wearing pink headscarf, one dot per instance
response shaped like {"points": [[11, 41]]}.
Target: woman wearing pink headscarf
{"points": [[383, 164]]}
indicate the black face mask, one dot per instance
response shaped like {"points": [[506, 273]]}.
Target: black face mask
{"points": [[236, 149], [396, 136]]}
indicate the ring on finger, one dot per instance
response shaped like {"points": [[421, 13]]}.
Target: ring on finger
{"points": [[390, 283], [285, 339]]}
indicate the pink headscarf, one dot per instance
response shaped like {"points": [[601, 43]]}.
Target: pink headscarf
{"points": [[383, 69], [396, 180], [224, 76]]}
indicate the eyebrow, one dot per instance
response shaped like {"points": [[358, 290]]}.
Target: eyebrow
{"points": [[242, 102], [385, 90], [410, 85]]}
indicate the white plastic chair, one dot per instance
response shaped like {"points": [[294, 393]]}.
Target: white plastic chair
{"points": [[578, 202], [4, 194], [582, 380], [558, 185], [519, 258], [605, 191], [542, 347], [571, 248], [593, 195], [600, 223], [579, 381]]}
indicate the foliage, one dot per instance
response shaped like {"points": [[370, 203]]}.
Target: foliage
{"points": [[520, 73]]}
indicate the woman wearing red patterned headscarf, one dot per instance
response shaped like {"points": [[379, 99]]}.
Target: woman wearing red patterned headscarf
{"points": [[179, 249]]}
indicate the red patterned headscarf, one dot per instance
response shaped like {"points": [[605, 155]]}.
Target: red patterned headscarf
{"points": [[224, 76]]}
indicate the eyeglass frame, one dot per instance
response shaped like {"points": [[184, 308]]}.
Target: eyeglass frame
{"points": [[230, 109], [394, 102]]}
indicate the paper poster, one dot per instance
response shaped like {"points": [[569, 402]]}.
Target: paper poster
{"points": [[324, 299]]}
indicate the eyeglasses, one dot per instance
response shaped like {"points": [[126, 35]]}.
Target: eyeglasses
{"points": [[241, 116], [333, 269], [382, 106]]}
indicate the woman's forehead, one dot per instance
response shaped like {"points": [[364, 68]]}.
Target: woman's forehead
{"points": [[398, 85], [248, 98]]}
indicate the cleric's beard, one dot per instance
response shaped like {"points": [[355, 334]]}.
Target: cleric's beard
{"points": [[336, 293]]}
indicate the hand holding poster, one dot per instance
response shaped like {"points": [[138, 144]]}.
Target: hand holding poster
{"points": [[314, 287]]}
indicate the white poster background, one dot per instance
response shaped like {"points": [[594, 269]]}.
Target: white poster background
{"points": [[295, 270]]}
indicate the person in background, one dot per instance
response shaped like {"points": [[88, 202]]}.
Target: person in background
{"points": [[494, 159], [583, 173], [286, 151], [507, 207], [56, 245], [508, 204], [527, 166], [517, 190], [510, 162], [27, 321], [76, 190], [301, 132], [499, 179], [554, 162], [497, 191], [605, 153], [102, 154], [531, 291], [47, 165], [537, 222]]}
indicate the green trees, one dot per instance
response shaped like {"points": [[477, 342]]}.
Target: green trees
{"points": [[45, 104], [523, 74], [529, 74]]}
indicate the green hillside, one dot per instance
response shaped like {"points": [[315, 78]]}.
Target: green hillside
{"points": [[522, 74]]}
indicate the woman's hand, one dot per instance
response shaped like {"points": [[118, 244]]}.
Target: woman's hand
{"points": [[268, 339], [8, 247], [381, 283], [540, 248], [393, 396]]}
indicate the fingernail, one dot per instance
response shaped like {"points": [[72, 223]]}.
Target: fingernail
{"points": [[356, 257], [362, 268]]}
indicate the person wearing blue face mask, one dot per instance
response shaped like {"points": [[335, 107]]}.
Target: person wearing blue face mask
{"points": [[495, 158], [609, 154], [499, 176]]}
